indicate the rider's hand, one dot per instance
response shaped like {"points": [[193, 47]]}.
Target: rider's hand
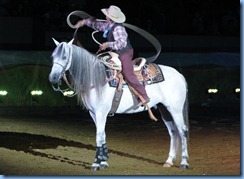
{"points": [[103, 46], [79, 24]]}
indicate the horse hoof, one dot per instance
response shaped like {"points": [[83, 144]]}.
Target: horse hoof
{"points": [[184, 167], [95, 167], [167, 165], [103, 164]]}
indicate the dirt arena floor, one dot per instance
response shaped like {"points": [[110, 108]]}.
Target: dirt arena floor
{"points": [[43, 143]]}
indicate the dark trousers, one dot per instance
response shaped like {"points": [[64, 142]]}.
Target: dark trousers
{"points": [[128, 72]]}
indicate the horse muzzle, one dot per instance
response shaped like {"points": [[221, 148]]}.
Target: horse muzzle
{"points": [[54, 78]]}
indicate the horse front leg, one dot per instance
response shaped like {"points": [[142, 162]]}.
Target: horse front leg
{"points": [[101, 156]]}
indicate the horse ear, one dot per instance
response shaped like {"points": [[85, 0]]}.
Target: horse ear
{"points": [[55, 41], [71, 42]]}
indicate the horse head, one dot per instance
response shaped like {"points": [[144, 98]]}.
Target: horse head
{"points": [[61, 58]]}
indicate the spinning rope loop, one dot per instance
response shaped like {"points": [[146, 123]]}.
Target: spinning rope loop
{"points": [[140, 31]]}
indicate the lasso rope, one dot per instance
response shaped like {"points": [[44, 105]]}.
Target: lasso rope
{"points": [[140, 31]]}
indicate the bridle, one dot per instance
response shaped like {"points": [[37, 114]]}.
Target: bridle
{"points": [[63, 76]]}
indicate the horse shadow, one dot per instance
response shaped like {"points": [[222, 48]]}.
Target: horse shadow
{"points": [[28, 143]]}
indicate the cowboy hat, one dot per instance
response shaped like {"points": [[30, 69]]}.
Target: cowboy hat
{"points": [[114, 13]]}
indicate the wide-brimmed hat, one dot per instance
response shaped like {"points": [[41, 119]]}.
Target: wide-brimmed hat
{"points": [[114, 13]]}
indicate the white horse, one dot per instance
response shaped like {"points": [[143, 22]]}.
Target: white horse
{"points": [[90, 82]]}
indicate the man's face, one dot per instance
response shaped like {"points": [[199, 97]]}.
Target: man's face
{"points": [[108, 20]]}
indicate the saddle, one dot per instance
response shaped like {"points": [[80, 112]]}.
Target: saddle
{"points": [[146, 73]]}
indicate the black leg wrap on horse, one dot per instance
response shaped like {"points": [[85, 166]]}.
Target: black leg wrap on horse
{"points": [[101, 154], [105, 152]]}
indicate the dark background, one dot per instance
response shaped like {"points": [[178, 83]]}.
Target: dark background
{"points": [[204, 17], [34, 19]]}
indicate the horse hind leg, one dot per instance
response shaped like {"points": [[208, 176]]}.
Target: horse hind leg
{"points": [[178, 132], [182, 129], [174, 138]]}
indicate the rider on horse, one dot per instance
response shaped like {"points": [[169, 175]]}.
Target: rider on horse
{"points": [[117, 40]]}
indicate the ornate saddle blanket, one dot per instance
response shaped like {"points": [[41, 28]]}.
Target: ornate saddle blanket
{"points": [[147, 75]]}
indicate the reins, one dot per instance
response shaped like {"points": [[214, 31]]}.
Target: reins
{"points": [[65, 91]]}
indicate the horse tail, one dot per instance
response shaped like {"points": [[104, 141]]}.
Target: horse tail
{"points": [[185, 112]]}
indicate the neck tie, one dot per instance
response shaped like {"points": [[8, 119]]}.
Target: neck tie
{"points": [[105, 34]]}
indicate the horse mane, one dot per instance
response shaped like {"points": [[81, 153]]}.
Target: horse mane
{"points": [[87, 73]]}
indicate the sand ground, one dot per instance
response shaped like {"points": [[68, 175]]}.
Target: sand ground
{"points": [[50, 145]]}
